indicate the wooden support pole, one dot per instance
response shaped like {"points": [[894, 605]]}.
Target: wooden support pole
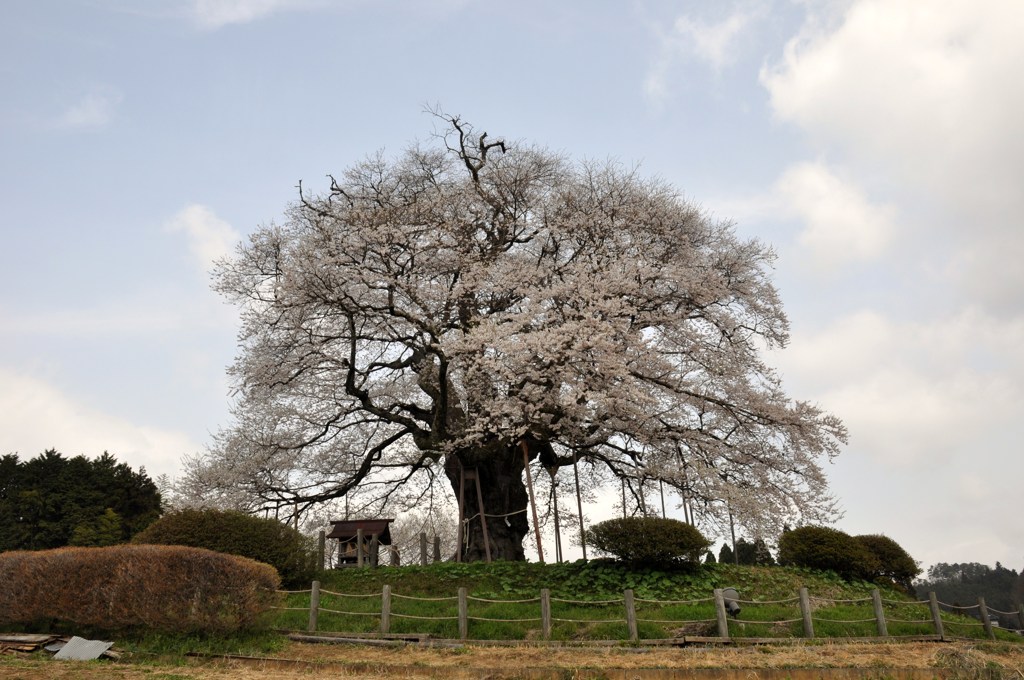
{"points": [[385, 610], [876, 599], [720, 614], [558, 529], [579, 507], [483, 515], [463, 614], [661, 483], [359, 547], [437, 548], [462, 513], [933, 604], [374, 550], [623, 480], [985, 620], [545, 613], [314, 606], [423, 548], [634, 633], [321, 549], [533, 502], [805, 613]]}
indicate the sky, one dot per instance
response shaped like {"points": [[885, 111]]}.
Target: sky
{"points": [[877, 145]]}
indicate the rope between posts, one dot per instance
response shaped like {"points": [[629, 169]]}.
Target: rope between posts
{"points": [[962, 623], [618, 601], [895, 602], [766, 623], [961, 608], [331, 592], [336, 611], [425, 618], [424, 599], [483, 599], [991, 610], [707, 599], [829, 599], [483, 618], [842, 620], [786, 601], [292, 609], [588, 620], [487, 514], [292, 592], [891, 620], [639, 620]]}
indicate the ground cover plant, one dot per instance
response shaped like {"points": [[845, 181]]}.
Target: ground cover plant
{"points": [[587, 602]]}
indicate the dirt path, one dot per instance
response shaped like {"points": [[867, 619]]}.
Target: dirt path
{"points": [[836, 661]]}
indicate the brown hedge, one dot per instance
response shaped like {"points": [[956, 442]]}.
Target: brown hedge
{"points": [[157, 587]]}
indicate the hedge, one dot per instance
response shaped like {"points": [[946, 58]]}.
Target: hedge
{"points": [[652, 540], [236, 533], [159, 588]]}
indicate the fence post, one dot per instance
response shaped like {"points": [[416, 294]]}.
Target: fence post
{"points": [[723, 619], [983, 612], [805, 612], [933, 603], [359, 548], [423, 548], [463, 614], [314, 606], [627, 596], [876, 598], [321, 543], [374, 550], [437, 548], [545, 613], [385, 610]]}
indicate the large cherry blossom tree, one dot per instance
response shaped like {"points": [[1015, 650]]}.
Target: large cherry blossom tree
{"points": [[472, 301]]}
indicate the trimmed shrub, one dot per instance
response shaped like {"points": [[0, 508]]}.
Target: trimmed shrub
{"points": [[160, 588], [649, 539], [895, 565], [827, 549], [235, 533]]}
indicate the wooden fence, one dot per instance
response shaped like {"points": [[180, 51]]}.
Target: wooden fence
{"points": [[807, 608]]}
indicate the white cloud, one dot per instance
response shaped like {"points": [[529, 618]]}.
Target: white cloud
{"points": [[926, 97], [94, 110], [214, 14], [35, 416], [713, 43], [209, 237], [914, 391], [840, 222]]}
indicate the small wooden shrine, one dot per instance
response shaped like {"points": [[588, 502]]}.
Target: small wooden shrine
{"points": [[374, 533]]}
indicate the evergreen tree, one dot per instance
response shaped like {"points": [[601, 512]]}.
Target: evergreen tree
{"points": [[725, 555], [51, 501]]}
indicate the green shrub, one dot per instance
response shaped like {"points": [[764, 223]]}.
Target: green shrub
{"points": [[651, 540], [235, 533], [161, 588], [895, 565], [827, 549]]}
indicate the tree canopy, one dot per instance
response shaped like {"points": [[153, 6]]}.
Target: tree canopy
{"points": [[51, 501], [473, 301]]}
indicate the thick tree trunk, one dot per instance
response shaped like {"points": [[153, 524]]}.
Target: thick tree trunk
{"points": [[506, 502]]}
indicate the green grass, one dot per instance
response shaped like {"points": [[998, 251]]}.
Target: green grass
{"points": [[586, 602]]}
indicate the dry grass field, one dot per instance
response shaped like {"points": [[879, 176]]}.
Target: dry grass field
{"points": [[299, 660]]}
